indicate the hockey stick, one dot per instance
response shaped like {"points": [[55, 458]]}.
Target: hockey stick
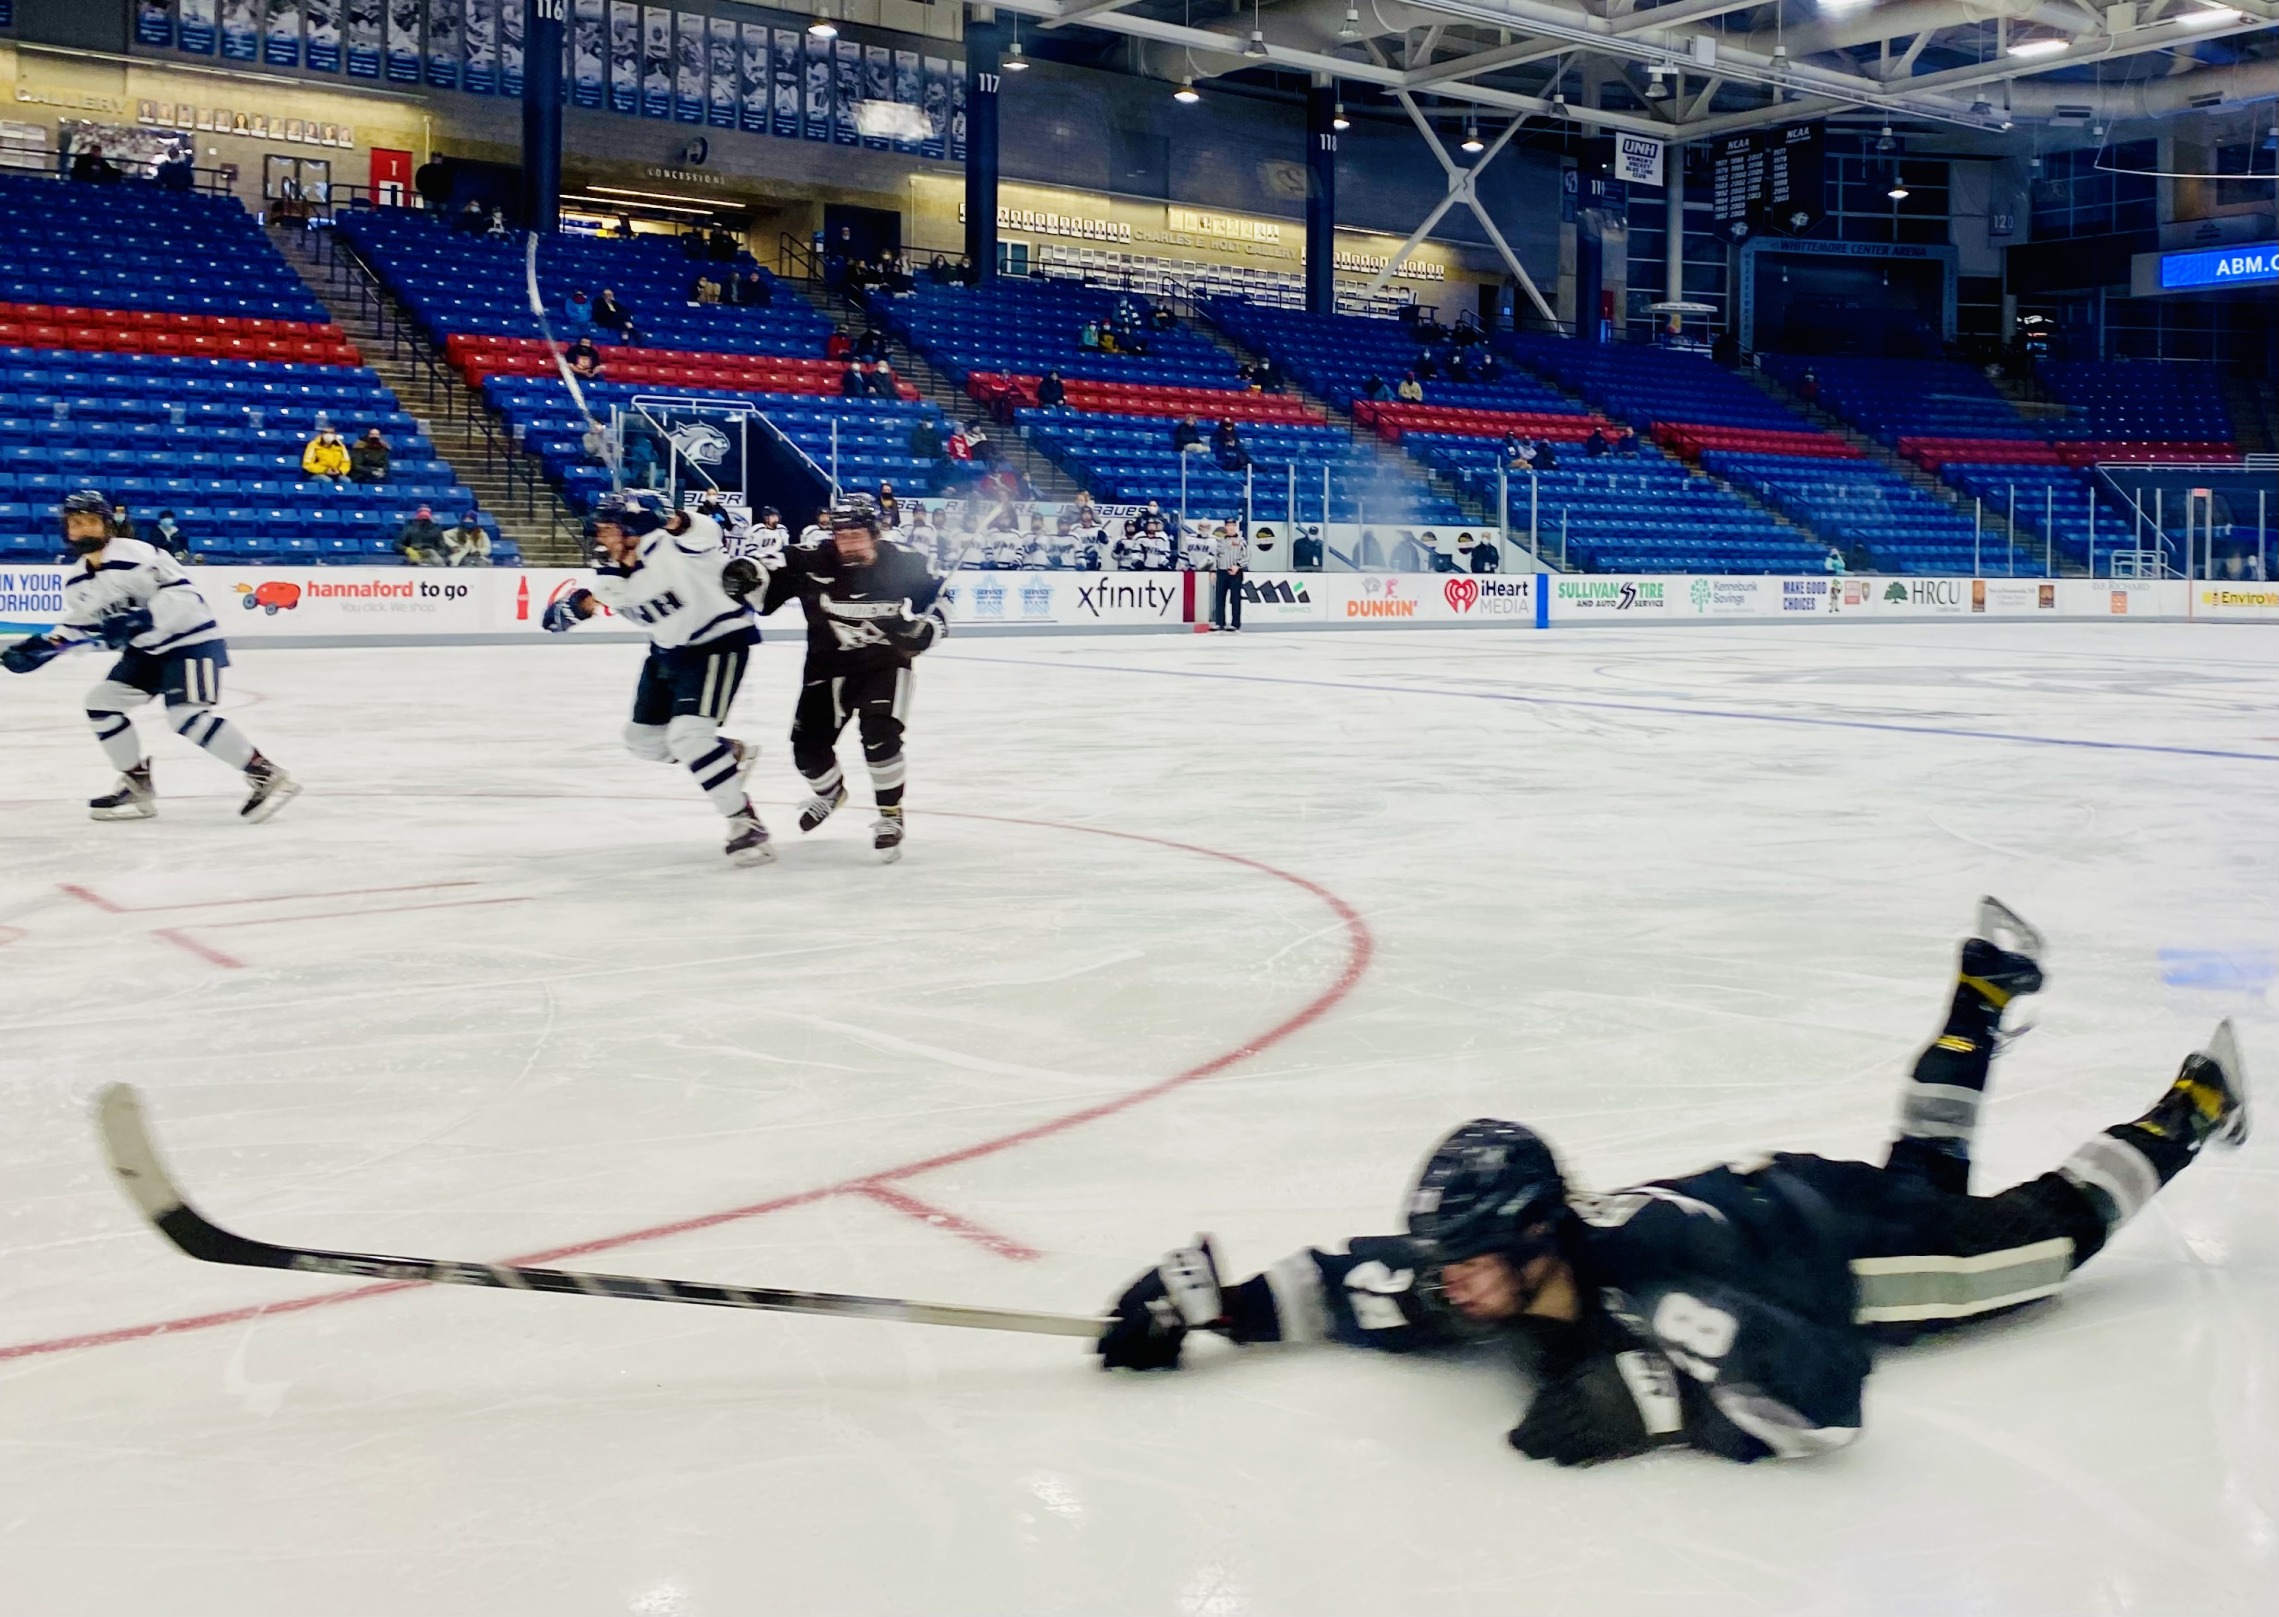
{"points": [[133, 1157], [561, 357]]}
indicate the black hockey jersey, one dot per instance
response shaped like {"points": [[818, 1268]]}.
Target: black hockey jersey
{"points": [[1738, 1277], [849, 608]]}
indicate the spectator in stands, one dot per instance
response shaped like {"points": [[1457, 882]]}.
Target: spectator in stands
{"points": [[612, 316], [871, 344], [585, 359], [938, 271], [89, 164], [838, 346], [889, 508], [1408, 556], [1459, 367], [470, 221], [326, 456], [1546, 456], [1509, 448], [122, 522], [1306, 550], [1187, 436], [1489, 368], [925, 439], [1088, 334], [1228, 449], [1373, 386], [577, 311], [720, 246], [1426, 367], [1162, 319], [1051, 392], [883, 383], [368, 458], [1595, 445], [497, 226], [1487, 554], [1231, 556], [1626, 441], [421, 541], [851, 383], [1808, 389], [959, 450], [1371, 557], [469, 544], [165, 534], [624, 228], [178, 173], [1411, 390], [751, 290], [895, 277], [704, 290]]}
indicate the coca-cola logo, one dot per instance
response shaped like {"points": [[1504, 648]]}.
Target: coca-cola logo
{"points": [[1462, 593]]}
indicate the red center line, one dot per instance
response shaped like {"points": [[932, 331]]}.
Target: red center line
{"points": [[88, 895], [353, 915], [204, 951], [877, 1186], [943, 1219]]}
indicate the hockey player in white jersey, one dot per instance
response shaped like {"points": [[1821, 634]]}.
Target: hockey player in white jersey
{"points": [[765, 540], [674, 579], [137, 600]]}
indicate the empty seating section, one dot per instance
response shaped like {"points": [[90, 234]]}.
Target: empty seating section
{"points": [[1122, 458], [1336, 356], [871, 443], [474, 285], [1143, 398], [1629, 514], [1889, 399], [155, 345], [479, 358], [1025, 328], [1870, 511], [1659, 388], [2148, 404], [2049, 502]]}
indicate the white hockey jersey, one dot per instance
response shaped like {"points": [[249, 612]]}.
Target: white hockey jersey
{"points": [[673, 590], [764, 544], [130, 576]]}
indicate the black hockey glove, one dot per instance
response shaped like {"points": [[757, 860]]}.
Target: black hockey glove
{"points": [[29, 652], [118, 629], [1607, 1408], [560, 617], [913, 633], [1157, 1310], [740, 578]]}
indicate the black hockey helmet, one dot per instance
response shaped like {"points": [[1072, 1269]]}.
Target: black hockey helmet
{"points": [[628, 516], [855, 511], [1484, 1189], [85, 502]]}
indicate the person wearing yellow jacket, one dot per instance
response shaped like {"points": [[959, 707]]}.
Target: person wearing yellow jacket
{"points": [[326, 456]]}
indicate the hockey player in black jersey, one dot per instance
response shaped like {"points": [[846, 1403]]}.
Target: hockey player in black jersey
{"points": [[1732, 1309], [135, 599], [873, 604], [673, 577]]}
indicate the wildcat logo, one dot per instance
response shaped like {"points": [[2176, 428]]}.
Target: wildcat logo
{"points": [[1463, 593], [699, 443]]}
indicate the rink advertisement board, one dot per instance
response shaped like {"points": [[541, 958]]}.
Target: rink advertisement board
{"points": [[399, 603]]}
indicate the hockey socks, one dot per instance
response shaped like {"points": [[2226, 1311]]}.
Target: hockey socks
{"points": [[115, 733], [886, 778], [205, 728], [1938, 1113], [2123, 1168]]}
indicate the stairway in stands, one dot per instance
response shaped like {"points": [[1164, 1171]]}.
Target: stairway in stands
{"points": [[1043, 472], [1399, 467], [506, 483]]}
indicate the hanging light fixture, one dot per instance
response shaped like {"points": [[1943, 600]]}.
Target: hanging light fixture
{"points": [[1886, 141], [1015, 62], [1657, 87], [1338, 120], [1350, 29], [822, 27], [1256, 49], [1187, 95], [1472, 140], [1898, 192]]}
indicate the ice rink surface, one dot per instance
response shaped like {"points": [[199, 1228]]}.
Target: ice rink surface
{"points": [[1194, 934]]}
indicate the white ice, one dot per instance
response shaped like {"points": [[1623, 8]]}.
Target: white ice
{"points": [[487, 990]]}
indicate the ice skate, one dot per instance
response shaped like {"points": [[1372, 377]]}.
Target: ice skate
{"points": [[2208, 1101], [819, 808], [886, 835], [133, 800], [748, 842], [272, 790], [2002, 962]]}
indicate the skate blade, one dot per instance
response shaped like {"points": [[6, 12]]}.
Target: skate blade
{"points": [[2224, 1051], [2005, 928], [284, 792], [888, 856], [747, 858], [134, 811]]}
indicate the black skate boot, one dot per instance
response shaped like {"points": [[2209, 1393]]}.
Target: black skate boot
{"points": [[748, 842], [818, 808], [2208, 1101], [272, 790], [2002, 962], [886, 835], [134, 799]]}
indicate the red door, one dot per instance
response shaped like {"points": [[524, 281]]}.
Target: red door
{"points": [[391, 177]]}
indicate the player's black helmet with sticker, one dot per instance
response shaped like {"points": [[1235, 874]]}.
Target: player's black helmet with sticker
{"points": [[1483, 1189], [855, 511], [85, 502], [626, 515]]}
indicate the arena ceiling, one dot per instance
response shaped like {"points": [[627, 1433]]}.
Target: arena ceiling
{"points": [[1693, 69]]}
